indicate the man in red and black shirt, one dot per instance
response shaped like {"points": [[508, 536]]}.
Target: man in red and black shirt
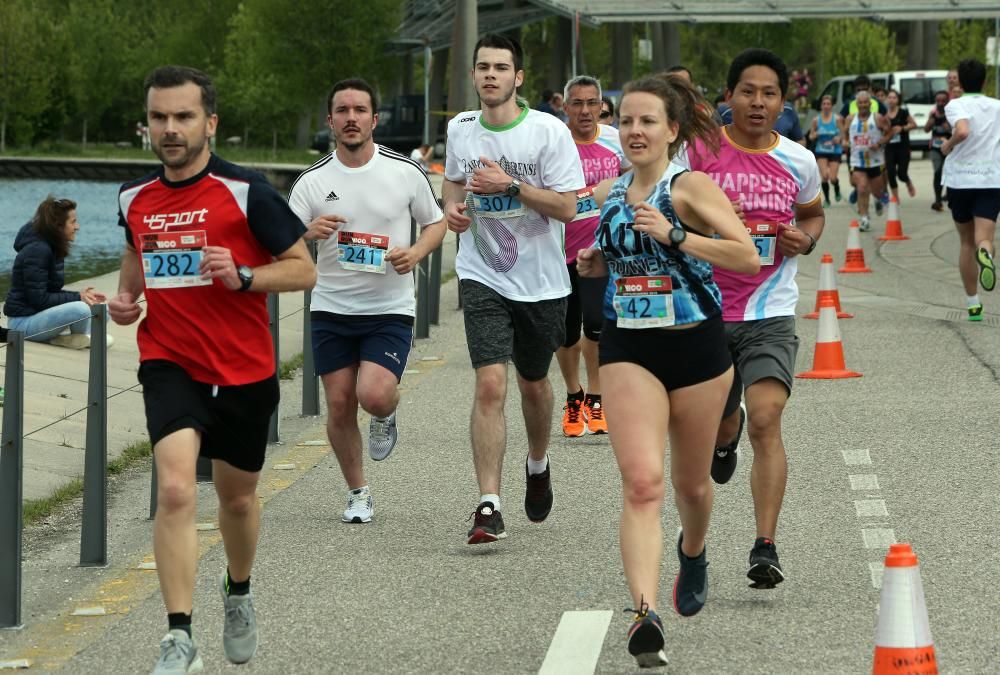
{"points": [[206, 241]]}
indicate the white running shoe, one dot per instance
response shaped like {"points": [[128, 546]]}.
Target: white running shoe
{"points": [[360, 506]]}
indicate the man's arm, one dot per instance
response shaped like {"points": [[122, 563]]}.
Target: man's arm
{"points": [[491, 179], [453, 196], [403, 260], [809, 219], [292, 270], [124, 308], [958, 134]]}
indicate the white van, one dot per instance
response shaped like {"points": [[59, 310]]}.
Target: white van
{"points": [[916, 90]]}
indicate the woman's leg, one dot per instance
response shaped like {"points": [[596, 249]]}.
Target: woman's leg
{"points": [[891, 162], [904, 171], [937, 161], [49, 323]]}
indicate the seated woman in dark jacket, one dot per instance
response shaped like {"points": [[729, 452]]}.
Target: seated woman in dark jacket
{"points": [[36, 304]]}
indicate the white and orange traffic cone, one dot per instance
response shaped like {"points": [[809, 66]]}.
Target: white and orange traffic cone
{"points": [[903, 642], [827, 287], [854, 260], [893, 226], [828, 359]]}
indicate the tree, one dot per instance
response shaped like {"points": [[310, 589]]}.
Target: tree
{"points": [[857, 46], [25, 78]]}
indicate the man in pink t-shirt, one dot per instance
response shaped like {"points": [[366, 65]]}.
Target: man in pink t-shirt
{"points": [[775, 183], [602, 157]]}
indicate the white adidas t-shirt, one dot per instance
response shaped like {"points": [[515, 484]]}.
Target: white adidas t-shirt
{"points": [[515, 250], [376, 199], [975, 162]]}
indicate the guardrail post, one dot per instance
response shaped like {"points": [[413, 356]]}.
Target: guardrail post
{"points": [[272, 312], [310, 383], [434, 304], [458, 244], [422, 329], [94, 533], [12, 483]]}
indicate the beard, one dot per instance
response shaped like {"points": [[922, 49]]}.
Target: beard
{"points": [[500, 97], [185, 158], [354, 146]]}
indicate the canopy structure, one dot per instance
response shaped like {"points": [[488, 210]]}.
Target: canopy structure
{"points": [[430, 23]]}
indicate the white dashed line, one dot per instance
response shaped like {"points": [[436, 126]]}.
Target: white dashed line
{"points": [[856, 457], [879, 537], [876, 569], [864, 481], [577, 644], [870, 508]]}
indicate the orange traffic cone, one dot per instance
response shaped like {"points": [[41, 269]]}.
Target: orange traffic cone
{"points": [[854, 260], [903, 641], [827, 287], [893, 226], [828, 360]]}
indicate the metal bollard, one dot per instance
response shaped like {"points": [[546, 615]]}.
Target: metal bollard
{"points": [[12, 483], [434, 304], [272, 312], [310, 383], [458, 244], [422, 328], [94, 534]]}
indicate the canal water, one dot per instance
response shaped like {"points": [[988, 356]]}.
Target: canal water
{"points": [[99, 243]]}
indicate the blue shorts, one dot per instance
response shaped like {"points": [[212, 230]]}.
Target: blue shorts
{"points": [[339, 342]]}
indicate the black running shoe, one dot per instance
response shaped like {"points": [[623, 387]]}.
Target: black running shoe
{"points": [[765, 570], [538, 495], [645, 638], [488, 526], [725, 458], [691, 584]]}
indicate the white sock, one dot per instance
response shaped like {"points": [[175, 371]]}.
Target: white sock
{"points": [[495, 499], [973, 300], [537, 467]]}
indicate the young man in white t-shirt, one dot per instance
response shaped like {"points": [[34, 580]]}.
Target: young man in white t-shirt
{"points": [[357, 203], [972, 175], [511, 180]]}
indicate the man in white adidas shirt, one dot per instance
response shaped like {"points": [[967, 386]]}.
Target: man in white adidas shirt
{"points": [[357, 203], [511, 180]]}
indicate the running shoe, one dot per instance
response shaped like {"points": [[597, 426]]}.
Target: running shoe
{"points": [[853, 197], [826, 203], [976, 313], [239, 636], [573, 423], [725, 458], [838, 196], [987, 271], [691, 584], [178, 655], [488, 525], [593, 410], [765, 570], [645, 638], [360, 506], [937, 206], [538, 495], [865, 224], [879, 207], [382, 436]]}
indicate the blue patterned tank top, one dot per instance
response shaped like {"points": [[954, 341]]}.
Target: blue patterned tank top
{"points": [[826, 137], [695, 297]]}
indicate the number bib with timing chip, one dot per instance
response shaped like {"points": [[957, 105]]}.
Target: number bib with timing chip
{"points": [[937, 142], [644, 302], [362, 252], [765, 238], [171, 259], [586, 205], [498, 205]]}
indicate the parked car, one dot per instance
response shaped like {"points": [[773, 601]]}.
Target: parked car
{"points": [[916, 90]]}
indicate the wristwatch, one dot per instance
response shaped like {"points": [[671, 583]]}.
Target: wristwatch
{"points": [[812, 243], [245, 273], [677, 236], [514, 189]]}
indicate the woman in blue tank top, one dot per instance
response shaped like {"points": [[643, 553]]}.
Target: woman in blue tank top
{"points": [[664, 361], [826, 132]]}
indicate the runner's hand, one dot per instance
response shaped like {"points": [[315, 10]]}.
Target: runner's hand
{"points": [[489, 178], [791, 240], [455, 215], [590, 263], [650, 220], [738, 210], [123, 309], [217, 263], [323, 227], [403, 260]]}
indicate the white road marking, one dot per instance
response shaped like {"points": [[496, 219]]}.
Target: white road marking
{"points": [[870, 508], [878, 537], [577, 644], [864, 481], [856, 457], [89, 611], [876, 569], [16, 664]]}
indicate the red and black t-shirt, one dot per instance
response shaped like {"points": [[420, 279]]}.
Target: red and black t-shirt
{"points": [[217, 335]]}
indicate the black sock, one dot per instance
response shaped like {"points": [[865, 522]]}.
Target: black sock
{"points": [[578, 396], [836, 187], [826, 190], [236, 587], [594, 398], [180, 621]]}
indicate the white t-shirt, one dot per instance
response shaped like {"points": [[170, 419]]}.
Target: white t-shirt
{"points": [[417, 156], [517, 252], [975, 162], [376, 199]]}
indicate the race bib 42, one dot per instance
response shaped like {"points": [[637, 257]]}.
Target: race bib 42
{"points": [[644, 302]]}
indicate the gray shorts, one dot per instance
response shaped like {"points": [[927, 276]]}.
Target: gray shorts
{"points": [[761, 349], [499, 330]]}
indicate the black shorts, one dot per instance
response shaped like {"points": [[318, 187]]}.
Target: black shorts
{"points": [[871, 172], [499, 330], [584, 306], [969, 203], [233, 421], [676, 357]]}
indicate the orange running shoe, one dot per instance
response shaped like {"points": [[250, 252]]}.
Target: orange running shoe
{"points": [[573, 422], [594, 412]]}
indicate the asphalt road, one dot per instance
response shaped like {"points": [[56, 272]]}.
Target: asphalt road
{"points": [[906, 453]]}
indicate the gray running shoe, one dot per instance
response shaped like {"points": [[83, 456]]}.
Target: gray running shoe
{"points": [[239, 637], [382, 435], [178, 655]]}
